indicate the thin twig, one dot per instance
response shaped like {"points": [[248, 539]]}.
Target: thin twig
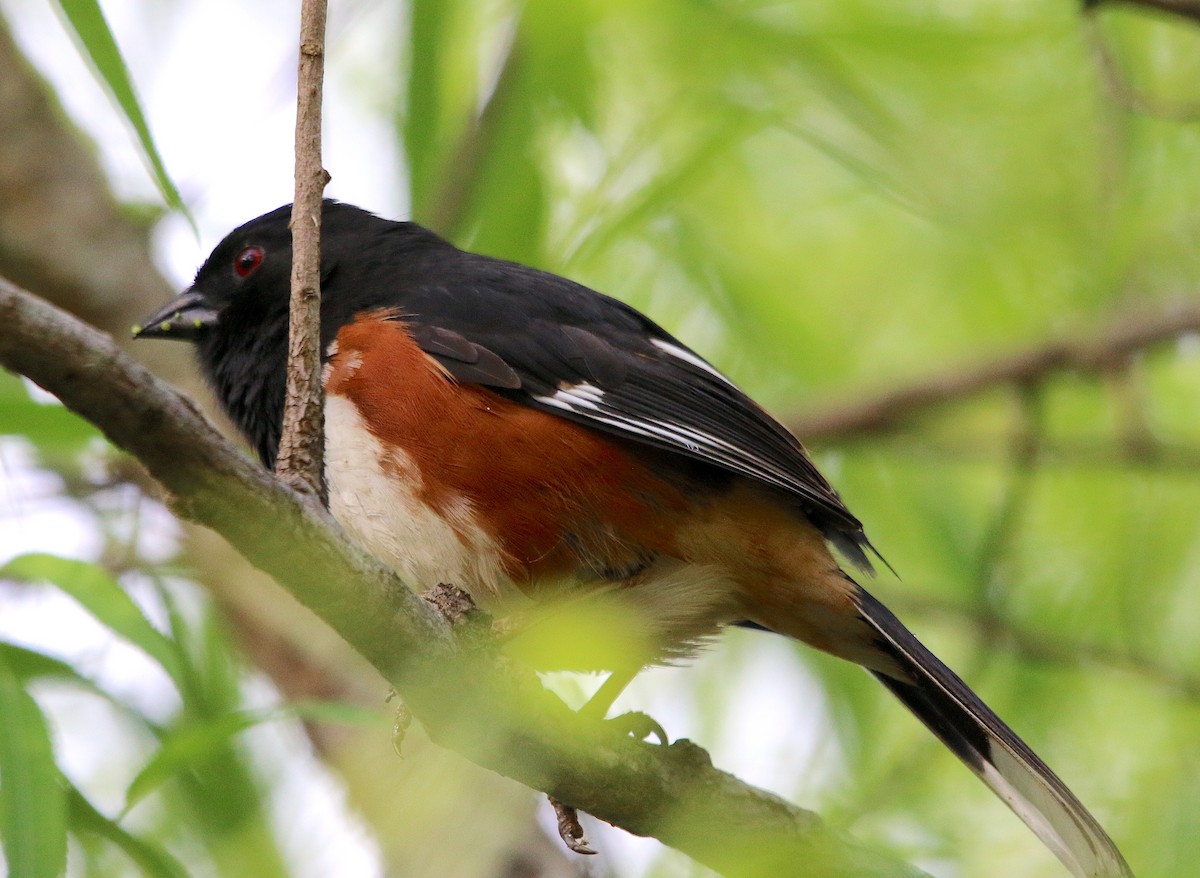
{"points": [[1090, 356], [1121, 87], [1051, 647], [1176, 458], [302, 444], [1189, 9], [1025, 448]]}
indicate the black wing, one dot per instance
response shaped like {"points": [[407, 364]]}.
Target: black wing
{"points": [[557, 346]]}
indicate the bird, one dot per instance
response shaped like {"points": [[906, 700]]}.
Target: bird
{"points": [[519, 435]]}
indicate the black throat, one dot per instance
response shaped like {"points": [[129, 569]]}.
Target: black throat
{"points": [[247, 368]]}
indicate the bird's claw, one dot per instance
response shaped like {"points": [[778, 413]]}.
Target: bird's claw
{"points": [[569, 828], [400, 722], [641, 726]]}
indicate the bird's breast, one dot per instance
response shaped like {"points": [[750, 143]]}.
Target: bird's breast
{"points": [[380, 496]]}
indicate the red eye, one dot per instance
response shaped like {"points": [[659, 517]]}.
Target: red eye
{"points": [[247, 261]]}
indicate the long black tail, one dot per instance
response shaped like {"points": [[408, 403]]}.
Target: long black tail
{"points": [[992, 750]]}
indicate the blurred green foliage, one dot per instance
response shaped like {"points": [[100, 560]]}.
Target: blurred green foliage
{"points": [[828, 199], [91, 30], [214, 803]]}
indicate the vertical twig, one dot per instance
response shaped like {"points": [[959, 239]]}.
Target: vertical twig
{"points": [[302, 445]]}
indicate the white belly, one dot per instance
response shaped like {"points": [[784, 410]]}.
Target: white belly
{"points": [[375, 493]]}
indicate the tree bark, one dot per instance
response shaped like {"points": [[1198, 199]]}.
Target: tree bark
{"points": [[466, 699], [62, 232], [301, 462]]}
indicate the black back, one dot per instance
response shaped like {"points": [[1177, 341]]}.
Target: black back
{"points": [[533, 337]]}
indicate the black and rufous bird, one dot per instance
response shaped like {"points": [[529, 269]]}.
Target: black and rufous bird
{"points": [[508, 431]]}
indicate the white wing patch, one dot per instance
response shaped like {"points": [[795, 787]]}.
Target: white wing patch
{"points": [[587, 400], [688, 357]]}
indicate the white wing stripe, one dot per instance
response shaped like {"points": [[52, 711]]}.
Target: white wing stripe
{"points": [[587, 400], [587, 391], [569, 397], [688, 357]]}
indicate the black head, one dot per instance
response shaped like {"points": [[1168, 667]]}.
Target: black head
{"points": [[236, 310], [249, 272]]}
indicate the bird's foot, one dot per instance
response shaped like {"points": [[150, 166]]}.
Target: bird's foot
{"points": [[640, 725], [400, 722], [569, 828]]}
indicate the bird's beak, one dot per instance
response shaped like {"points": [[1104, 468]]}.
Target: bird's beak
{"points": [[184, 318]]}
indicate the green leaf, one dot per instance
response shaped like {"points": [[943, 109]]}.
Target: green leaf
{"points": [[87, 20], [151, 858], [191, 745], [33, 807], [28, 665], [104, 598], [337, 712], [560, 40], [425, 140], [48, 425], [184, 748]]}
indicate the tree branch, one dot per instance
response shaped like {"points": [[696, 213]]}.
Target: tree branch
{"points": [[1120, 85], [302, 443], [1107, 351], [501, 720], [1189, 9], [45, 161], [63, 233], [1049, 646]]}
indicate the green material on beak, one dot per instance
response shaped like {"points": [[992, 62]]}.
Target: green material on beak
{"points": [[184, 318]]}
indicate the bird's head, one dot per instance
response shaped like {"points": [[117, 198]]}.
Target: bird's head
{"points": [[246, 278], [236, 310]]}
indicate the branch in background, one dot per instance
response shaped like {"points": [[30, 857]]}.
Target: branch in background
{"points": [[302, 443], [1121, 88], [1024, 457], [1107, 351], [1189, 9], [502, 721], [1155, 457], [1050, 647], [61, 229]]}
